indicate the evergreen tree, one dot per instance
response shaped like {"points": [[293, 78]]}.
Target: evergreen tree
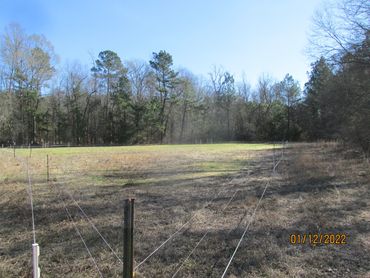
{"points": [[316, 100], [166, 78]]}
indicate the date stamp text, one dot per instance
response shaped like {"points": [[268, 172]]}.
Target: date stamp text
{"points": [[319, 239]]}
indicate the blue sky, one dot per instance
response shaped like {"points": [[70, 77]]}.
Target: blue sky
{"points": [[250, 36]]}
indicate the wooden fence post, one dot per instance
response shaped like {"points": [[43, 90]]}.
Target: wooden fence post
{"points": [[273, 156], [128, 239], [47, 168]]}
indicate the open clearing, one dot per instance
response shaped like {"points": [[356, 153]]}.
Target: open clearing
{"points": [[318, 188]]}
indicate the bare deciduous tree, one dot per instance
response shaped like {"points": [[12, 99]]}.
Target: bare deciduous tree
{"points": [[339, 28]]}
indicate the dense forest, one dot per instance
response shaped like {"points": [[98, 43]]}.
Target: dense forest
{"points": [[113, 101]]}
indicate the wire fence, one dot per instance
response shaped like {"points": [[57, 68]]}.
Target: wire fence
{"points": [[81, 237], [180, 265], [25, 164], [177, 232], [61, 190], [252, 217], [31, 202]]}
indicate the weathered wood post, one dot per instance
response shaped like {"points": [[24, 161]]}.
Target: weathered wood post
{"points": [[128, 239]]}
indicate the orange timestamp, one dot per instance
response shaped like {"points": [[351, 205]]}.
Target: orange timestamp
{"points": [[319, 239]]}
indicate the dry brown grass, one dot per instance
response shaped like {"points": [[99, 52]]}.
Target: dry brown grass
{"points": [[320, 188]]}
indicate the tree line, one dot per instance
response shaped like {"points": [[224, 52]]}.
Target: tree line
{"points": [[138, 102]]}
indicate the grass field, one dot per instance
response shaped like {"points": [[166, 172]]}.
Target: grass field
{"points": [[319, 188], [130, 165]]}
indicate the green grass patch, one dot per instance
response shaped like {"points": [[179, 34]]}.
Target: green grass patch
{"points": [[145, 148], [220, 166]]}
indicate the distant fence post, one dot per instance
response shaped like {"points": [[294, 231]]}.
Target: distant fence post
{"points": [[47, 168], [35, 260], [273, 156], [128, 239]]}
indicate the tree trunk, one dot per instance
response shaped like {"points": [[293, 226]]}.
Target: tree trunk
{"points": [[183, 121]]}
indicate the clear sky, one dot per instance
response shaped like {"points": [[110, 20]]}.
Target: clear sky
{"points": [[250, 36]]}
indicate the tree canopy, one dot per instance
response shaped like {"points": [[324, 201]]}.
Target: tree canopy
{"points": [[138, 102]]}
